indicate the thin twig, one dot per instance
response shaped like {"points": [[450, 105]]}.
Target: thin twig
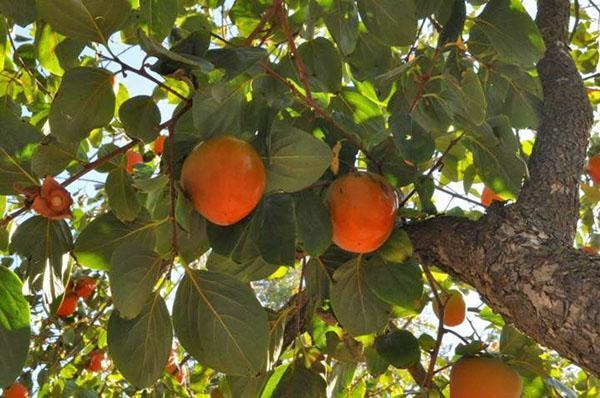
{"points": [[576, 21], [458, 196], [294, 50], [142, 72], [266, 17], [438, 164], [416, 42], [24, 65], [441, 330]]}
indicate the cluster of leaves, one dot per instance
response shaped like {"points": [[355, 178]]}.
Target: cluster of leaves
{"points": [[319, 87]]}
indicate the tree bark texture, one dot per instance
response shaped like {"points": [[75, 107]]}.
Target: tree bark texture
{"points": [[520, 258]]}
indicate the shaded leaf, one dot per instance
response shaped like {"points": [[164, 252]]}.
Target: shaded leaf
{"points": [[221, 323], [140, 347]]}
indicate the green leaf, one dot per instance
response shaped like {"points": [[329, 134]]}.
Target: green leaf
{"points": [[22, 12], [275, 229], [140, 117], [357, 308], [235, 60], [50, 158], [299, 382], [45, 45], [341, 19], [247, 271], [217, 110], [394, 22], [84, 101], [121, 195], [45, 243], [99, 239], [134, 270], [140, 347], [295, 160], [157, 17], [221, 323], [475, 103], [414, 143], [235, 241], [179, 56], [15, 152], [394, 283], [15, 332], [313, 224], [370, 58], [511, 31], [90, 20], [400, 348], [398, 248], [524, 353], [495, 156], [323, 65]]}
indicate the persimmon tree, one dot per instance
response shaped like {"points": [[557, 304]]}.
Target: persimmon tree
{"points": [[346, 120]]}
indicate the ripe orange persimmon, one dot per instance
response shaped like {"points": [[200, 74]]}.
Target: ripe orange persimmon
{"points": [[363, 210], [183, 373], [593, 168], [85, 287], [225, 178], [590, 250], [488, 196], [484, 377], [97, 361], [455, 308], [68, 305], [159, 145], [171, 366], [133, 158], [17, 390]]}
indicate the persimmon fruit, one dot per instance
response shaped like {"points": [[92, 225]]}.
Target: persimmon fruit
{"points": [[16, 390], [159, 145], [455, 308], [593, 168], [182, 375], [480, 377], [363, 210], [85, 287], [171, 366], [68, 306], [133, 158], [225, 178], [97, 361], [590, 250], [488, 196]]}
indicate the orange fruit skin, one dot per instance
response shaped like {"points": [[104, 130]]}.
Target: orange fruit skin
{"points": [[97, 361], [159, 145], [68, 305], [171, 366], [363, 209], [85, 287], [593, 168], [590, 250], [484, 378], [225, 179], [133, 158], [488, 196], [17, 390], [455, 309]]}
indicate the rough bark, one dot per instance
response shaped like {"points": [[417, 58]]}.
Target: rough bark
{"points": [[520, 258], [550, 196]]}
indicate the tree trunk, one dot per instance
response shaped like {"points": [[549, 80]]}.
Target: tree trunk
{"points": [[520, 258]]}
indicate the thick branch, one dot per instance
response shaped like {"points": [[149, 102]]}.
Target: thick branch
{"points": [[546, 288], [551, 196]]}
